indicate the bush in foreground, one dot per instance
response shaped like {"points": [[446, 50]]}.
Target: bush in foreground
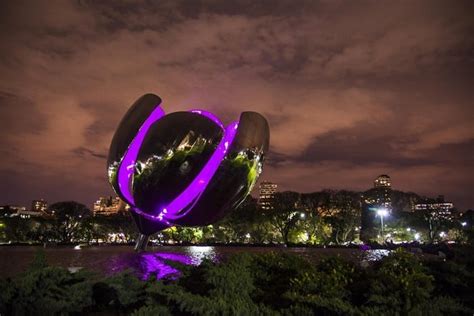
{"points": [[268, 284]]}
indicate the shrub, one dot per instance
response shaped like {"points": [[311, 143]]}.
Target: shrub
{"points": [[325, 289], [454, 280], [400, 285], [272, 274], [268, 284], [46, 290]]}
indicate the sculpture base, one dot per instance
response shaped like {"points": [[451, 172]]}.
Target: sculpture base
{"points": [[142, 242]]}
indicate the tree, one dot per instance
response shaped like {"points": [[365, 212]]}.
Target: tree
{"points": [[248, 223], [68, 217], [16, 228], [286, 213], [432, 222], [336, 213], [41, 230], [347, 217]]}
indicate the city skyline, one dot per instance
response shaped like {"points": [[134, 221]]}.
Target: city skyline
{"points": [[263, 194], [349, 91]]}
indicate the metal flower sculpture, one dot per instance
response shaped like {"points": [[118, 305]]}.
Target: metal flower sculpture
{"points": [[183, 168]]}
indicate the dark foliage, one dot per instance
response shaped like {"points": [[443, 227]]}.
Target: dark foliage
{"points": [[268, 284]]}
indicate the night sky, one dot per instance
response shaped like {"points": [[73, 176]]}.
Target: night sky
{"points": [[351, 89]]}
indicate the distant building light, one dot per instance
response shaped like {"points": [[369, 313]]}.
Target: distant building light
{"points": [[267, 192]]}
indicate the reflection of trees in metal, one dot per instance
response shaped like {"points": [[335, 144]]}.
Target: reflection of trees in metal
{"points": [[184, 168]]}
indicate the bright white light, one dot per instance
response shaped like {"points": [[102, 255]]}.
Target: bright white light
{"points": [[408, 229], [198, 253], [417, 236], [302, 215], [382, 212], [442, 234], [248, 235], [464, 224]]}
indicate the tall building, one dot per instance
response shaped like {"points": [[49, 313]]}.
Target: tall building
{"points": [[39, 206], [438, 207], [267, 191], [382, 181], [382, 192], [374, 200], [108, 206]]}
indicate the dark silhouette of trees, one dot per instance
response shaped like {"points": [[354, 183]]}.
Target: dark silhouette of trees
{"points": [[286, 212], [67, 218]]}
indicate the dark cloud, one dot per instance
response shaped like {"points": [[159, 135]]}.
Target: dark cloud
{"points": [[351, 89], [365, 145]]}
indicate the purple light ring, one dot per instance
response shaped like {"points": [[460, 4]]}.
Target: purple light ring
{"points": [[194, 190], [202, 180], [155, 218], [127, 165], [209, 115]]}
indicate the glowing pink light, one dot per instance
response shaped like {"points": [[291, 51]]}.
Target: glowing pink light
{"points": [[194, 190], [210, 116], [199, 184], [127, 166]]}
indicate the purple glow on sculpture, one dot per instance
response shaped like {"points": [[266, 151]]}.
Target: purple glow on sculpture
{"points": [[127, 166], [194, 190], [199, 184], [210, 116], [186, 168]]}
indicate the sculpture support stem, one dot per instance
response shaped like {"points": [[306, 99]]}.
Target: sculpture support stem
{"points": [[142, 241]]}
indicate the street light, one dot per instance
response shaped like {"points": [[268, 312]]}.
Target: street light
{"points": [[302, 215], [463, 224], [382, 212]]}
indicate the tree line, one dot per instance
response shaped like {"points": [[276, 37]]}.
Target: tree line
{"points": [[320, 218]]}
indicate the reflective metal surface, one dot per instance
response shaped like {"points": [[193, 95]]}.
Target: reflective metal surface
{"points": [[125, 133], [184, 168], [237, 173], [173, 152]]}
